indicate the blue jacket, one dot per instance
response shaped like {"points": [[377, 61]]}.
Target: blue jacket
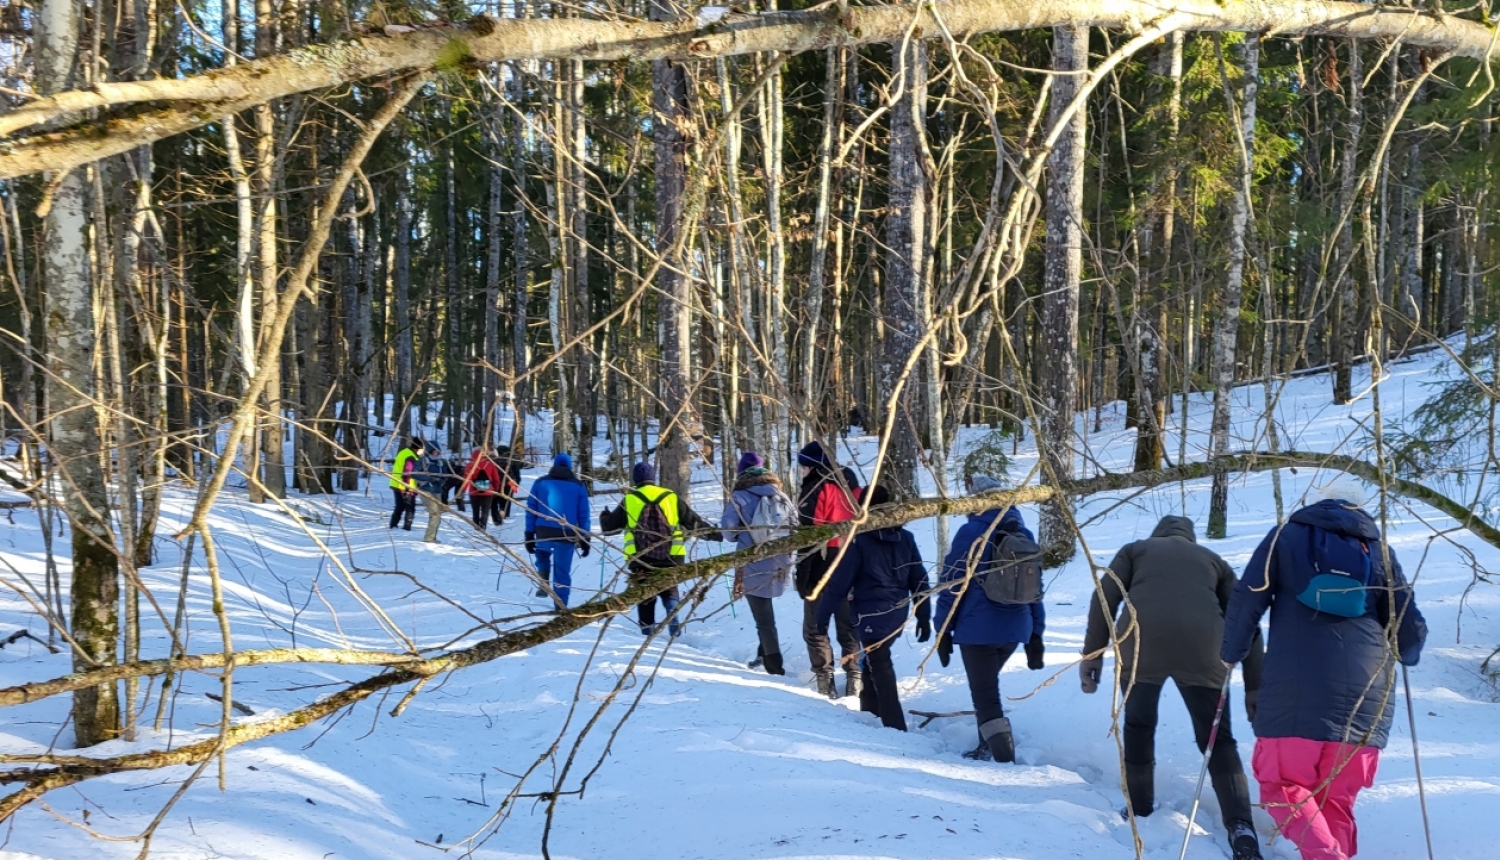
{"points": [[881, 574], [558, 508], [1326, 677], [979, 620]]}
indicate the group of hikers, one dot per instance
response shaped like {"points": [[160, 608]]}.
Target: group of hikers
{"points": [[1318, 693], [421, 470]]}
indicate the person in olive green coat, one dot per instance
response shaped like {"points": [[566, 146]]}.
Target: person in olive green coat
{"points": [[1171, 629]]}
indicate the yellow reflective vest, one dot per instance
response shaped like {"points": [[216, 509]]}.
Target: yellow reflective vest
{"points": [[636, 501], [398, 471]]}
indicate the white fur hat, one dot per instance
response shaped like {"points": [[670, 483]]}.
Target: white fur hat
{"points": [[1344, 488]]}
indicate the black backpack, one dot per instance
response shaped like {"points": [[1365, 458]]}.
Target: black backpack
{"points": [[1013, 576], [653, 534]]}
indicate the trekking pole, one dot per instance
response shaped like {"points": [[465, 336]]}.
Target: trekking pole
{"points": [[1208, 751], [1416, 758]]}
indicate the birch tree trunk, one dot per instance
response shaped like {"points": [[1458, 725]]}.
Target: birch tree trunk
{"points": [[905, 268], [1057, 350], [1227, 326], [75, 443]]}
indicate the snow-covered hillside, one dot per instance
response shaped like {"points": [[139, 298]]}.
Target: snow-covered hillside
{"points": [[716, 760]]}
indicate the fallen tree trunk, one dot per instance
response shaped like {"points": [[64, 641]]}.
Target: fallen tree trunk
{"points": [[58, 771], [196, 101]]}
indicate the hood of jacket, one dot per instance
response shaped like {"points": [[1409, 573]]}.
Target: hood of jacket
{"points": [[1174, 526], [1011, 522], [1338, 516], [561, 472], [756, 477], [887, 535]]}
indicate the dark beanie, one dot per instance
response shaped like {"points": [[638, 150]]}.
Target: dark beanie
{"points": [[643, 473], [812, 456], [879, 495], [751, 460]]}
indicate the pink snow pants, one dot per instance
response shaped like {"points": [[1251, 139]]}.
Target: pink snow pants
{"points": [[1309, 787]]}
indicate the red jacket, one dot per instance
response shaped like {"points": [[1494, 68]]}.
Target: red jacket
{"points": [[481, 468]]}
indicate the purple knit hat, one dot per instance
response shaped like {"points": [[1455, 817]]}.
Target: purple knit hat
{"points": [[751, 460], [643, 473]]}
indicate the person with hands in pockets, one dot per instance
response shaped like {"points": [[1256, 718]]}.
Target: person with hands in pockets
{"points": [[1175, 593], [987, 633], [880, 577]]}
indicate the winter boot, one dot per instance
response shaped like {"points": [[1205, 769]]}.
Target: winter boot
{"points": [[541, 591], [826, 686], [854, 683], [760, 658], [774, 665], [869, 703], [980, 753], [1140, 787], [1243, 841], [996, 735]]}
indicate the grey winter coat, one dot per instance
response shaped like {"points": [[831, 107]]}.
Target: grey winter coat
{"points": [[767, 577], [1179, 591]]}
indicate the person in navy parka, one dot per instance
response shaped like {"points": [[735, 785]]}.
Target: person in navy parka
{"points": [[1327, 692], [558, 521], [881, 576], [986, 632]]}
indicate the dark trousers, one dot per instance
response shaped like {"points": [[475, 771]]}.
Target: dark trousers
{"points": [[880, 674], [482, 507], [501, 504], [645, 611], [982, 663], [819, 649], [763, 610], [1224, 766], [405, 504], [452, 485]]}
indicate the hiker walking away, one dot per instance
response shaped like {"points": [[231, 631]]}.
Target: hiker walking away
{"points": [[509, 471], [994, 543], [557, 525], [822, 499], [757, 511], [481, 483], [880, 578], [656, 523], [1178, 592], [403, 484], [1335, 591], [431, 474], [453, 480]]}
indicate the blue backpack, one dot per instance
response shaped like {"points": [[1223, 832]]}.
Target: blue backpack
{"points": [[1342, 574]]}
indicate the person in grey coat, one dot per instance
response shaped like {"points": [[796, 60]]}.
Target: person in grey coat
{"points": [[759, 582], [1172, 628]]}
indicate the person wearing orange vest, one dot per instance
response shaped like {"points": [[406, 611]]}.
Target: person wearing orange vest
{"points": [[824, 498]]}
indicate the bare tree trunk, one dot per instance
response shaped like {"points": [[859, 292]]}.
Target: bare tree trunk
{"points": [[521, 257], [1058, 347], [812, 326], [582, 309], [1346, 330], [75, 442], [905, 268], [773, 138], [494, 227], [1227, 326], [453, 374], [401, 286], [559, 200]]}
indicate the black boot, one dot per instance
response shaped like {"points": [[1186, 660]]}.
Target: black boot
{"points": [[773, 664], [854, 682], [996, 735], [1243, 841], [826, 686], [980, 753], [1140, 787]]}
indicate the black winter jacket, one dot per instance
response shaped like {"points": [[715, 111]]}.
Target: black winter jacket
{"points": [[881, 575]]}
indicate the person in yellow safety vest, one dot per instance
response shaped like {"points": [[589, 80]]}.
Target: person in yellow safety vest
{"points": [[404, 482], [656, 523]]}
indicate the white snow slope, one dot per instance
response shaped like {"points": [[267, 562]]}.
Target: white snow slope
{"points": [[716, 760]]}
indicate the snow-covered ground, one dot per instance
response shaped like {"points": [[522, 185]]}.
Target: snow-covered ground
{"points": [[716, 760]]}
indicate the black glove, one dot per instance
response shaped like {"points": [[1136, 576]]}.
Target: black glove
{"points": [[583, 549], [1088, 674], [945, 648], [924, 629], [531, 543], [1034, 652], [1250, 703]]}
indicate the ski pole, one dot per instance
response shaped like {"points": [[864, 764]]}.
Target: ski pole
{"points": [[1213, 735], [1416, 758]]}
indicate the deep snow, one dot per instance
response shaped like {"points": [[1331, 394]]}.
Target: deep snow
{"points": [[717, 761]]}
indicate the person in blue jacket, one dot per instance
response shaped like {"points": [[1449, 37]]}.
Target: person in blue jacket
{"points": [[986, 632], [881, 576], [557, 524], [1328, 684]]}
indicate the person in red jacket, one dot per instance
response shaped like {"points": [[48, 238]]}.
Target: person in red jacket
{"points": [[482, 485]]}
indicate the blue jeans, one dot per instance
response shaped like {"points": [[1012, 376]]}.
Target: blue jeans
{"points": [[554, 561]]}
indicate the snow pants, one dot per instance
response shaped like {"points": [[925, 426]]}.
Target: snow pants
{"points": [[554, 563], [645, 611], [483, 507], [982, 665], [406, 506], [819, 648], [1224, 766], [1309, 787]]}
